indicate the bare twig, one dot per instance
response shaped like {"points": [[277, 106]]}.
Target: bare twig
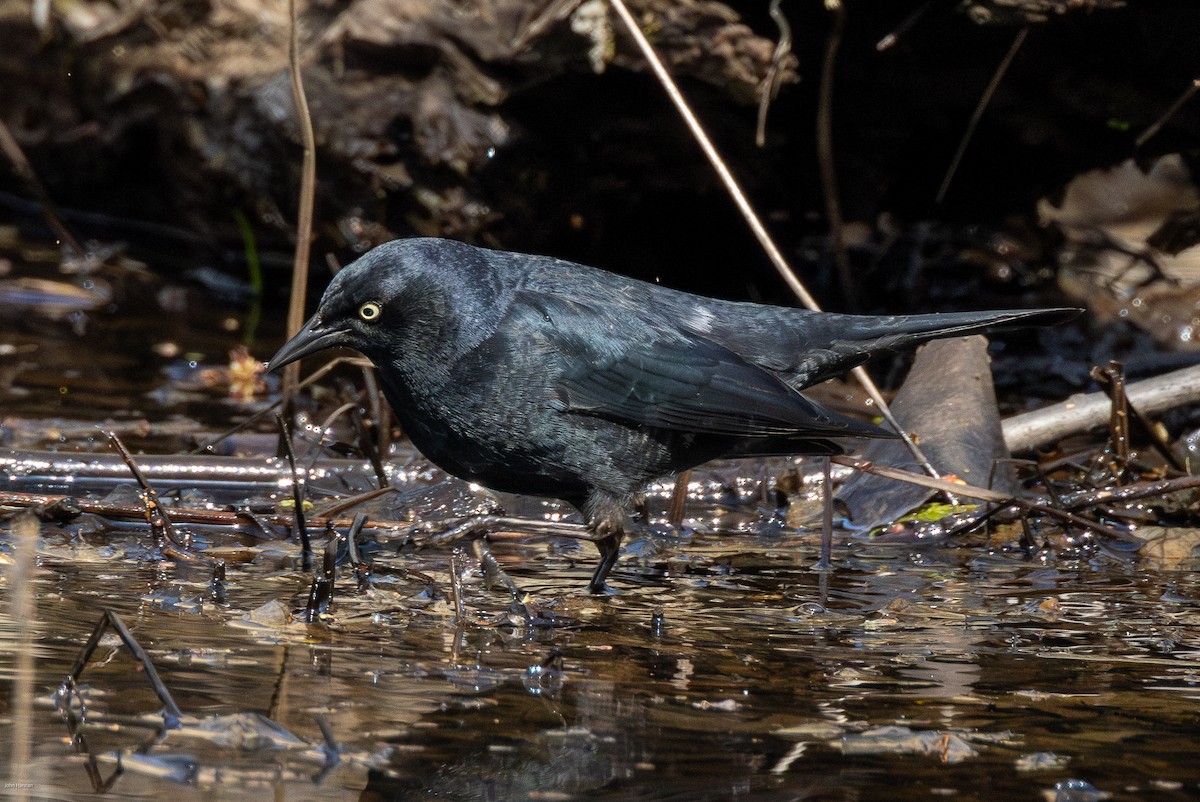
{"points": [[1157, 125], [825, 561], [770, 84], [460, 609], [979, 493], [304, 214], [166, 538], [678, 504], [1112, 381], [172, 713], [828, 172], [751, 217], [24, 170], [1082, 412], [301, 530], [982, 105]]}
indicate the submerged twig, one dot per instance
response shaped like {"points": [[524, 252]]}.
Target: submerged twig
{"points": [[301, 530], [977, 115], [320, 593], [1131, 492], [492, 571], [165, 536], [172, 713], [460, 609], [1112, 380], [677, 506], [345, 504], [889, 41], [825, 561], [443, 533]]}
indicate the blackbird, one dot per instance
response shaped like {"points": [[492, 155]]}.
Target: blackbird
{"points": [[534, 375]]}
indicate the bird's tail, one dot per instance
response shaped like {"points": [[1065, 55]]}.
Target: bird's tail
{"points": [[854, 339]]}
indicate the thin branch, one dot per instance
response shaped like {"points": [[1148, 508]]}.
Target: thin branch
{"points": [[980, 494], [304, 214], [1153, 130], [24, 170], [301, 529], [833, 204], [980, 107], [1081, 412], [770, 84]]}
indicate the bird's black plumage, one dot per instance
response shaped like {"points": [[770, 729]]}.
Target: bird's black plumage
{"points": [[534, 375]]}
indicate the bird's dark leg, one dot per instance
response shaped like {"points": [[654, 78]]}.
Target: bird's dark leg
{"points": [[606, 517], [609, 545]]}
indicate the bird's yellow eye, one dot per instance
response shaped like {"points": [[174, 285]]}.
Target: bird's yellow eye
{"points": [[370, 311]]}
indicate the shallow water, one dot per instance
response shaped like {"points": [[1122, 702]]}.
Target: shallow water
{"points": [[723, 668]]}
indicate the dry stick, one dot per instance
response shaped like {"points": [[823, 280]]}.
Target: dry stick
{"points": [[1127, 493], [978, 493], [1150, 132], [833, 205], [428, 533], [770, 84], [492, 571], [352, 502], [24, 170], [752, 219], [1082, 412], [304, 215], [675, 508], [155, 513], [460, 609], [110, 619], [825, 561], [297, 496], [1112, 380], [980, 107]]}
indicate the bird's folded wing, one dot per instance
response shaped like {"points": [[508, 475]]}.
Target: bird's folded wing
{"points": [[690, 383]]}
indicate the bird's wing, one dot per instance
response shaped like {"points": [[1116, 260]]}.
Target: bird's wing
{"points": [[686, 382]]}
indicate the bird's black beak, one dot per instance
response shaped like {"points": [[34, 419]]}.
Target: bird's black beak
{"points": [[313, 337]]}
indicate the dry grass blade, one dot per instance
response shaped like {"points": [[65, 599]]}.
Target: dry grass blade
{"points": [[977, 115], [304, 214]]}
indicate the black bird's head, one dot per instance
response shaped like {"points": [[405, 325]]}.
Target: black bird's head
{"points": [[412, 303]]}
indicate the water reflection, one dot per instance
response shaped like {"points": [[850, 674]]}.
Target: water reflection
{"points": [[741, 674]]}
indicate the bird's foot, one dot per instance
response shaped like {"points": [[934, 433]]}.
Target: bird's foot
{"points": [[609, 544]]}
